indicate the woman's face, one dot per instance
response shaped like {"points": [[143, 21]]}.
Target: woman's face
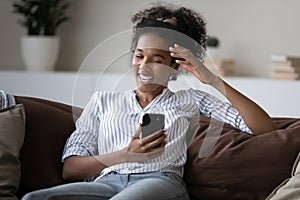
{"points": [[152, 63]]}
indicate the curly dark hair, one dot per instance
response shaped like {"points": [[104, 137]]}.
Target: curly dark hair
{"points": [[186, 21]]}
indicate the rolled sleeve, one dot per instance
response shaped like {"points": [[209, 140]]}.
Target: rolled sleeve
{"points": [[77, 149], [83, 141], [222, 111], [226, 113], [242, 125]]}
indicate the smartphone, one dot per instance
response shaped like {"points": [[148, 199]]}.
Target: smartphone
{"points": [[152, 123]]}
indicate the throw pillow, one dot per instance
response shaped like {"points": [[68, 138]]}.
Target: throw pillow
{"points": [[12, 131], [290, 188], [48, 125]]}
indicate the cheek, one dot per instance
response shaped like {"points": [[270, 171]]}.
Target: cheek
{"points": [[162, 72], [134, 63]]}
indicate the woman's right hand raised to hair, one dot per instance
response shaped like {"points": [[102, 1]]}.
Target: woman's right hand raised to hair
{"points": [[254, 116], [192, 64]]}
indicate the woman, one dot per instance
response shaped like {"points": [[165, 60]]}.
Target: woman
{"points": [[106, 146]]}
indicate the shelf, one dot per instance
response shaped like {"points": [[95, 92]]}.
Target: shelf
{"points": [[278, 97]]}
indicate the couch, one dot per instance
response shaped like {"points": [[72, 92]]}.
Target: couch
{"points": [[239, 166]]}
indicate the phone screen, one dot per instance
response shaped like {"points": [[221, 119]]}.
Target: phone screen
{"points": [[152, 123]]}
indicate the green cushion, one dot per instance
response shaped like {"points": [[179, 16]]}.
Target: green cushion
{"points": [[12, 131]]}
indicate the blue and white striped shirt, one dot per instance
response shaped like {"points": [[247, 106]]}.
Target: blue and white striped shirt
{"points": [[110, 119]]}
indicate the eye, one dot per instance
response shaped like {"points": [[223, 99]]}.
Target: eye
{"points": [[139, 56], [157, 61]]}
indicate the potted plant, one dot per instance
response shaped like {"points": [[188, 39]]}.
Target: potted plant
{"points": [[41, 18], [213, 44]]}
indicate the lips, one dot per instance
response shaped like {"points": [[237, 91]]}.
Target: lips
{"points": [[146, 78]]}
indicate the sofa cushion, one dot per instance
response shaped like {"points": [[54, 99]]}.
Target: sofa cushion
{"points": [[48, 125], [12, 130], [290, 188], [240, 165]]}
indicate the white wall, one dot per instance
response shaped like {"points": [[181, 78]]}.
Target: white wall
{"points": [[249, 30], [278, 98]]}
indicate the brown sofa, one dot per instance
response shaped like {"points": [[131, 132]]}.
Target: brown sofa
{"points": [[240, 166]]}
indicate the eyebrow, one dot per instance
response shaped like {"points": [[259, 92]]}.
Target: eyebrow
{"points": [[155, 55]]}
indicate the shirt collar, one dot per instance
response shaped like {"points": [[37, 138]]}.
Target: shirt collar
{"points": [[166, 93]]}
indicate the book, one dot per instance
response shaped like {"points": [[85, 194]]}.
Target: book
{"points": [[284, 75], [285, 59], [286, 63], [283, 68]]}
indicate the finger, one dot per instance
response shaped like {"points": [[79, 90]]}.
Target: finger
{"points": [[183, 62], [153, 136], [180, 52], [164, 143], [158, 143], [175, 55], [138, 132], [180, 48], [177, 46], [174, 50]]}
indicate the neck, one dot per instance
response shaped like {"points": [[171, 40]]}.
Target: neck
{"points": [[144, 97]]}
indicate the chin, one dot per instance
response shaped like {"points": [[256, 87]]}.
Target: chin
{"points": [[149, 87]]}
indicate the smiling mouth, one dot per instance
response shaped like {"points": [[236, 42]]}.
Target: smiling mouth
{"points": [[146, 79]]}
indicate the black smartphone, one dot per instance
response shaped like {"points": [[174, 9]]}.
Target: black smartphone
{"points": [[152, 122]]}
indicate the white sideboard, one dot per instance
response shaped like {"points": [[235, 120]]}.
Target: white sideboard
{"points": [[280, 98]]}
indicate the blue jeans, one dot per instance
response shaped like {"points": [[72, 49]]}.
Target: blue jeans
{"points": [[115, 186]]}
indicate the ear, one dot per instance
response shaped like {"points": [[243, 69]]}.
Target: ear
{"points": [[174, 74], [175, 66]]}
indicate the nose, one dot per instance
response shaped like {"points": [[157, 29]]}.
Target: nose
{"points": [[145, 64]]}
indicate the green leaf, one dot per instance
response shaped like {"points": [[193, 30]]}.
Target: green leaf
{"points": [[41, 17]]}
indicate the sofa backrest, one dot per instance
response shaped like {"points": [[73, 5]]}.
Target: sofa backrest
{"points": [[240, 165]]}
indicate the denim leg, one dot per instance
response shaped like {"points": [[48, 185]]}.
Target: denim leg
{"points": [[114, 180], [158, 186], [73, 191]]}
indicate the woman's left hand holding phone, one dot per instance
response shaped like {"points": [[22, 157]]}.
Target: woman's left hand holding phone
{"points": [[147, 144], [142, 149], [138, 150]]}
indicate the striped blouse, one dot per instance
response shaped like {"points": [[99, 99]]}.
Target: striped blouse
{"points": [[110, 119]]}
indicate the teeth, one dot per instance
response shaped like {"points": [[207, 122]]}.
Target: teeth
{"points": [[145, 78]]}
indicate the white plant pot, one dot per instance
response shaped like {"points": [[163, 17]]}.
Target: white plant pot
{"points": [[40, 52]]}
